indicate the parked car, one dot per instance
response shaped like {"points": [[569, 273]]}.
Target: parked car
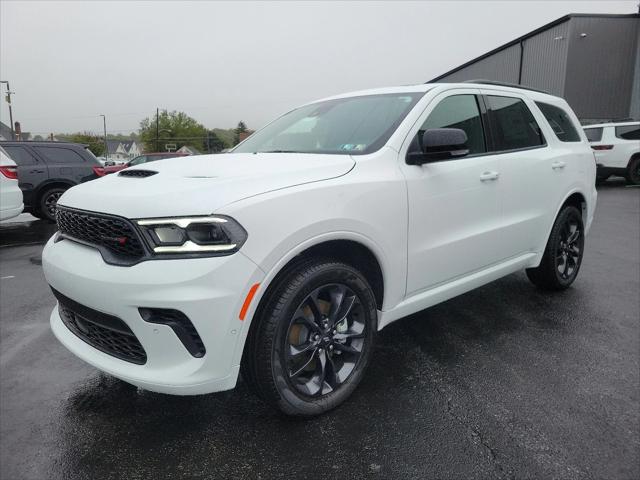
{"points": [[283, 258], [47, 169], [140, 159], [617, 149], [10, 194]]}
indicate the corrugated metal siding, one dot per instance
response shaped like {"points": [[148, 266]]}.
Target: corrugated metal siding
{"points": [[503, 66], [600, 66], [545, 59], [634, 109]]}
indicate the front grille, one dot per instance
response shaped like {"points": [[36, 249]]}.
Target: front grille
{"points": [[181, 326], [105, 332], [114, 234], [136, 173]]}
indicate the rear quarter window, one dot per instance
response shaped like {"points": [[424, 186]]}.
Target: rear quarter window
{"points": [[628, 132], [593, 134], [559, 122], [20, 155]]}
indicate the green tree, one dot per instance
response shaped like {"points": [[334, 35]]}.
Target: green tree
{"points": [[214, 143], [240, 129], [95, 143], [172, 128]]}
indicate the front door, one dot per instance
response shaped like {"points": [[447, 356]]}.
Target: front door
{"points": [[454, 205]]}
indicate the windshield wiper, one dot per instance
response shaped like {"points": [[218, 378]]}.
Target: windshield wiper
{"points": [[278, 151]]}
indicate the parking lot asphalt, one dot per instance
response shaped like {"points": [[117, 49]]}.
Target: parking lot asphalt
{"points": [[503, 382]]}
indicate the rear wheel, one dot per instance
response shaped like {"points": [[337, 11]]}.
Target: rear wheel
{"points": [[633, 171], [563, 254], [48, 202], [313, 340]]}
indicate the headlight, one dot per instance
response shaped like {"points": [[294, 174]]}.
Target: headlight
{"points": [[205, 235]]}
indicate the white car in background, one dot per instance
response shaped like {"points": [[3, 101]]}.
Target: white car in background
{"points": [[617, 149], [10, 194]]}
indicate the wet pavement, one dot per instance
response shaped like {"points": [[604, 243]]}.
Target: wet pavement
{"points": [[502, 382]]}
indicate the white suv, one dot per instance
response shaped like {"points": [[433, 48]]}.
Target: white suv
{"points": [[617, 149], [283, 258]]}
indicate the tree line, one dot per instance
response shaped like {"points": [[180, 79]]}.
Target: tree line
{"points": [[168, 128]]}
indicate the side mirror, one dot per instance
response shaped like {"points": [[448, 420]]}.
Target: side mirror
{"points": [[438, 144]]}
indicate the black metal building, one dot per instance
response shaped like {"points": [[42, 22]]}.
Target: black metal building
{"points": [[593, 61]]}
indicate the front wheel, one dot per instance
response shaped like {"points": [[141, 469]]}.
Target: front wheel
{"points": [[563, 254], [313, 340]]}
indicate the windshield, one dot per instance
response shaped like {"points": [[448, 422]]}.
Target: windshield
{"points": [[353, 125]]}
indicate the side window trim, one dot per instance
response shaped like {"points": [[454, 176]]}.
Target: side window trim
{"points": [[494, 150]]}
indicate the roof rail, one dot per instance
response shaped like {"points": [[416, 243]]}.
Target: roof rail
{"points": [[505, 84]]}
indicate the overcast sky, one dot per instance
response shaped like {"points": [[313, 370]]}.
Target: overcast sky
{"points": [[221, 62]]}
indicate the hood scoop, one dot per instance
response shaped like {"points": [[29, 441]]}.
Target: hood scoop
{"points": [[136, 173]]}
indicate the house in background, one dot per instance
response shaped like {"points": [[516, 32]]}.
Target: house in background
{"points": [[123, 150], [188, 149], [5, 133]]}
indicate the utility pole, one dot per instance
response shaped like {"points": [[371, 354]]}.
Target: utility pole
{"points": [[106, 147], [157, 129], [8, 98]]}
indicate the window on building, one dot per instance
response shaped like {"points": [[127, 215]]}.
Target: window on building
{"points": [[513, 125], [628, 132], [560, 122], [59, 155], [459, 111], [593, 134], [20, 155]]}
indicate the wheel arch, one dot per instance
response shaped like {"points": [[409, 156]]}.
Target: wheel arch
{"points": [[348, 247], [52, 183]]}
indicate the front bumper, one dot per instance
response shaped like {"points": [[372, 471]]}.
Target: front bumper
{"points": [[209, 291]]}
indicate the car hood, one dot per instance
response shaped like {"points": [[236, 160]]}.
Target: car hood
{"points": [[200, 185]]}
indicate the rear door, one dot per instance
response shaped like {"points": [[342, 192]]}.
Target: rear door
{"points": [[32, 170], [535, 174]]}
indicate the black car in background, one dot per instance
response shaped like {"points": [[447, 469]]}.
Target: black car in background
{"points": [[47, 169]]}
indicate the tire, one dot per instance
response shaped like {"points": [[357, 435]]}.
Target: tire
{"points": [[563, 254], [48, 200], [313, 339], [633, 171]]}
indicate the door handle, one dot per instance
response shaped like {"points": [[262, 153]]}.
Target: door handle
{"points": [[489, 176], [558, 165]]}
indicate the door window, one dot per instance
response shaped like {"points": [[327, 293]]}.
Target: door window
{"points": [[593, 134], [560, 122], [20, 155], [628, 132], [459, 111], [512, 124], [59, 155]]}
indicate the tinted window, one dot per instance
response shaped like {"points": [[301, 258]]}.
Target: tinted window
{"points": [[459, 111], [560, 122], [352, 126], [628, 132], [593, 134], [513, 125], [20, 155], [59, 155], [138, 160]]}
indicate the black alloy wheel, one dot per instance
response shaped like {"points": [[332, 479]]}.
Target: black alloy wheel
{"points": [[325, 340], [312, 337], [49, 202], [569, 247], [563, 254]]}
